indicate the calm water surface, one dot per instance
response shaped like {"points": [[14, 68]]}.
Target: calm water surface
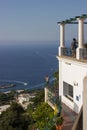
{"points": [[28, 62]]}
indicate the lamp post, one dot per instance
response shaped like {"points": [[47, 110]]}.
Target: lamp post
{"points": [[47, 80], [45, 89]]}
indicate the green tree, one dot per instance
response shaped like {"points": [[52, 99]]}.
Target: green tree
{"points": [[39, 97], [56, 75], [6, 98], [42, 115], [14, 118]]}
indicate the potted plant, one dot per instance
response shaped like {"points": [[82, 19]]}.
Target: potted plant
{"points": [[59, 123], [53, 127]]}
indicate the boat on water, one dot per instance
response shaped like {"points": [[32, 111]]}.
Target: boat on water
{"points": [[25, 84], [7, 86]]}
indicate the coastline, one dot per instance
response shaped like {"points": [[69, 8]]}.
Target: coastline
{"points": [[7, 86]]}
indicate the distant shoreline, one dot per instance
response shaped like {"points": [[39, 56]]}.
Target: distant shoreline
{"points": [[7, 86]]}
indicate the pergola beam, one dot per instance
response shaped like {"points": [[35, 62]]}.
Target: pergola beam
{"points": [[72, 20]]}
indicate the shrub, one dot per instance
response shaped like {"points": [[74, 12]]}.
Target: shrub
{"points": [[59, 120]]}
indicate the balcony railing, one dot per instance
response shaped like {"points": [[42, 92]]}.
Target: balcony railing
{"points": [[84, 53], [68, 52], [72, 53]]}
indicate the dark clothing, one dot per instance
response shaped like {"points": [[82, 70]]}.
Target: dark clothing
{"points": [[74, 45]]}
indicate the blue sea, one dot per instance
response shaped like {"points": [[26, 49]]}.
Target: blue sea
{"points": [[28, 62]]}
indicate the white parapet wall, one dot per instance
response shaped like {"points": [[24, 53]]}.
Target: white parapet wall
{"points": [[85, 103]]}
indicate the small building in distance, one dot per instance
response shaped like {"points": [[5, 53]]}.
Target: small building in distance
{"points": [[24, 99], [4, 108]]}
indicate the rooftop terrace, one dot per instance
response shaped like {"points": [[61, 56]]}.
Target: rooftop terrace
{"points": [[81, 52]]}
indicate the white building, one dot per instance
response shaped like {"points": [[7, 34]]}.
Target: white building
{"points": [[23, 98], [72, 70], [4, 108]]}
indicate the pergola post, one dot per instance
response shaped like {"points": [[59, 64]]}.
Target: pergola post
{"points": [[80, 38], [62, 38]]}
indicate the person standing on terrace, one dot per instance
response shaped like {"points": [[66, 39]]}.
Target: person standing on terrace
{"points": [[74, 45]]}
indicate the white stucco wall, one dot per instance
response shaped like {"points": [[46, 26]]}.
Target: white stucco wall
{"points": [[85, 103], [72, 72]]}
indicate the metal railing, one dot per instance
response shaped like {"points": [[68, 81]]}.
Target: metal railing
{"points": [[84, 53], [72, 53], [68, 52], [55, 99]]}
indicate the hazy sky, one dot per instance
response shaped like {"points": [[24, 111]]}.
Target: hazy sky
{"points": [[36, 20]]}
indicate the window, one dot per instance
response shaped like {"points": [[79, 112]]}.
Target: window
{"points": [[68, 91]]}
